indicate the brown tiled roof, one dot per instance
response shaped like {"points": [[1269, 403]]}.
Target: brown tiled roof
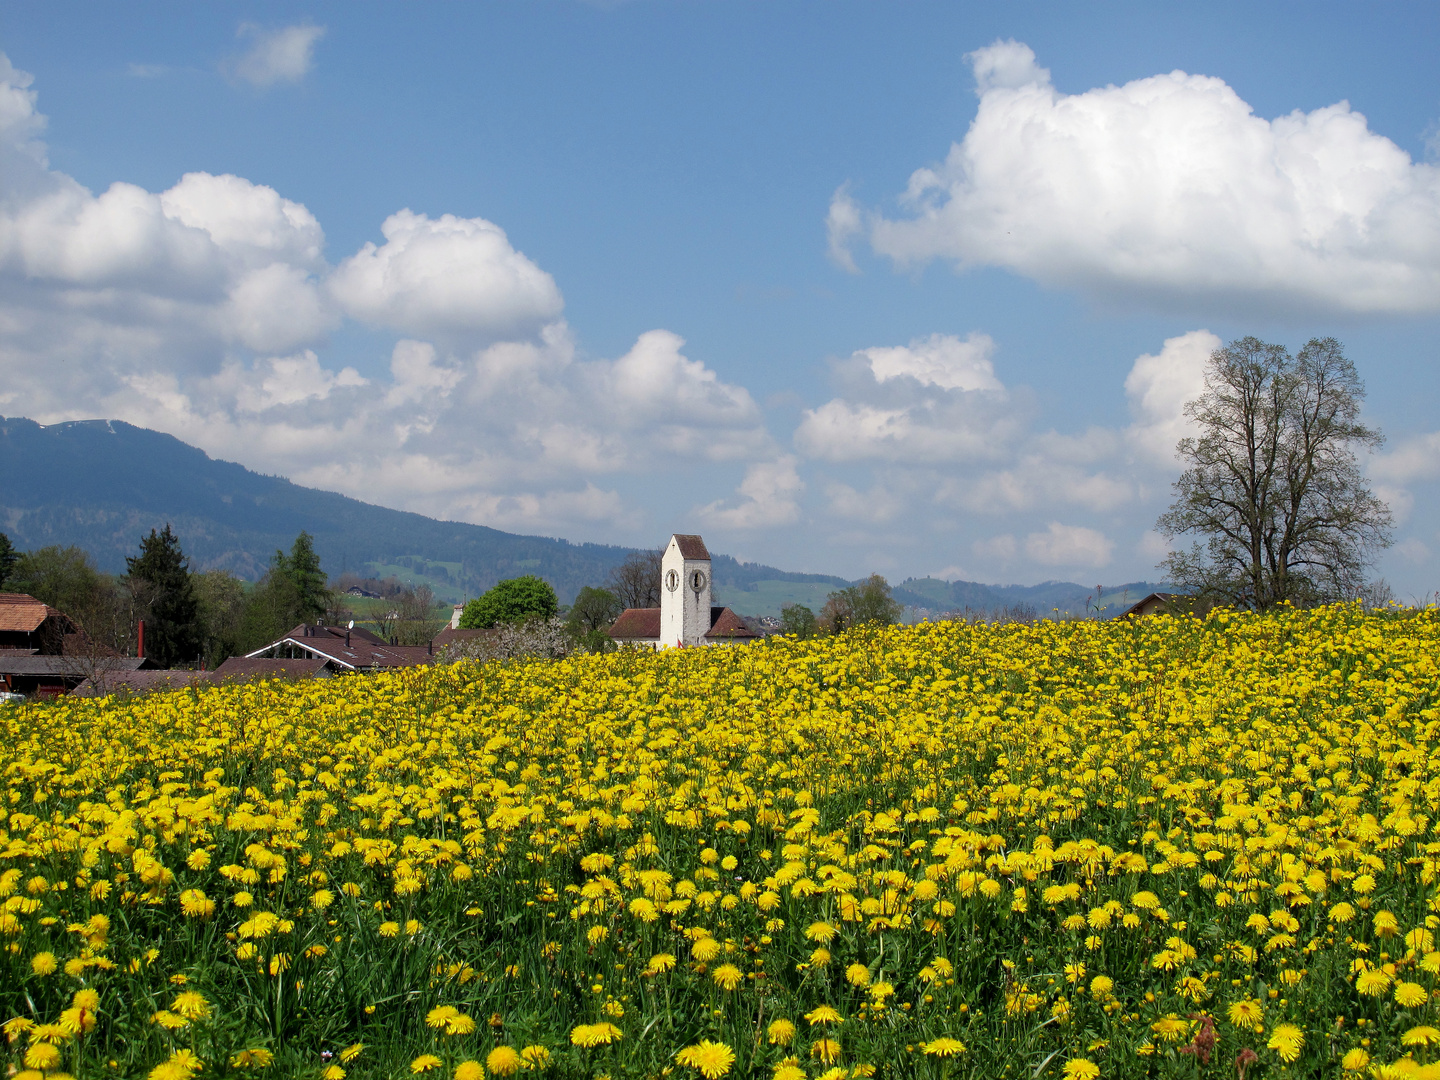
{"points": [[453, 636], [724, 623], [23, 614], [365, 650], [691, 547], [247, 668], [142, 682], [67, 666], [636, 623]]}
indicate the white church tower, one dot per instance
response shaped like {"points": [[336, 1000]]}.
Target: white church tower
{"points": [[684, 592]]}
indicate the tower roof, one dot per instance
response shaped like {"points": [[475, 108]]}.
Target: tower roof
{"points": [[691, 546]]}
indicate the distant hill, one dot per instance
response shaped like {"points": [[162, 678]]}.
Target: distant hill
{"points": [[1067, 597], [103, 484]]}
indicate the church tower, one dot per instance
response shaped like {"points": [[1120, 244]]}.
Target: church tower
{"points": [[684, 592]]}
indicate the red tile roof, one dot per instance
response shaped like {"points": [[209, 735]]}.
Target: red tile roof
{"points": [[727, 625], [247, 668], [23, 614], [691, 547], [637, 624]]}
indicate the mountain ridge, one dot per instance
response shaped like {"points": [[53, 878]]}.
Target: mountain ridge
{"points": [[103, 484]]}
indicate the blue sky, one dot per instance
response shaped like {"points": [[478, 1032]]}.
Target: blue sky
{"points": [[649, 267]]}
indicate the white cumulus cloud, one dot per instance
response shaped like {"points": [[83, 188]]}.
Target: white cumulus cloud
{"points": [[768, 498], [452, 277], [1158, 387], [1169, 189], [285, 55], [1071, 546]]}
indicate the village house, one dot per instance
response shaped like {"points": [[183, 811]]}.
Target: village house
{"points": [[45, 653], [343, 649], [685, 617]]}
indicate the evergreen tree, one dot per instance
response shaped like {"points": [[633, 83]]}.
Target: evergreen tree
{"points": [[8, 558], [172, 632], [310, 585]]}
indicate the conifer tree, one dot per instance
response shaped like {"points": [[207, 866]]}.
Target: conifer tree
{"points": [[172, 631]]}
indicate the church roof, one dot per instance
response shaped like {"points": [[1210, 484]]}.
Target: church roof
{"points": [[691, 547], [724, 623], [643, 624], [637, 623]]}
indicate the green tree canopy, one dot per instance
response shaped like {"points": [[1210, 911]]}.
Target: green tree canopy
{"points": [[798, 621], [173, 628], [869, 602], [513, 600], [591, 615]]}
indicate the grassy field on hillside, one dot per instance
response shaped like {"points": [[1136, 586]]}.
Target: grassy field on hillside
{"points": [[1079, 849]]}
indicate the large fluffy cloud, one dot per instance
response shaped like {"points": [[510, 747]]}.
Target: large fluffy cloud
{"points": [[1168, 189], [452, 278], [203, 310]]}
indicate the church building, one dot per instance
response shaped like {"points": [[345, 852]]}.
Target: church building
{"points": [[685, 616]]}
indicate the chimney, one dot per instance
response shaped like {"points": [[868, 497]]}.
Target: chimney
{"points": [[140, 645], [455, 616], [430, 648], [347, 639]]}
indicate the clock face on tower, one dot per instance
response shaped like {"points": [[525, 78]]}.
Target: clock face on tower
{"points": [[697, 580], [672, 581]]}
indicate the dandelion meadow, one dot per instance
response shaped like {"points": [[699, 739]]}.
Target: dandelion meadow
{"points": [[1166, 847]]}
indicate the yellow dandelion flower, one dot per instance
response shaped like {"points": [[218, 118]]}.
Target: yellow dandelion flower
{"points": [[705, 950], [1410, 995], [788, 1072], [333, 1072], [824, 1014], [710, 1059], [944, 1046], [536, 1057], [820, 932], [1287, 1040], [1247, 1014], [351, 1052], [469, 1070], [191, 1005], [1421, 1036], [857, 975], [780, 1032], [425, 1063], [168, 1020], [1373, 982], [1170, 1028], [827, 1050], [504, 1061], [1355, 1060], [256, 1058], [727, 976], [44, 963], [592, 1035], [42, 1055], [1081, 1069]]}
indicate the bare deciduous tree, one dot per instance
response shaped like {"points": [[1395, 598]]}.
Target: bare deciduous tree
{"points": [[636, 581], [1272, 485]]}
